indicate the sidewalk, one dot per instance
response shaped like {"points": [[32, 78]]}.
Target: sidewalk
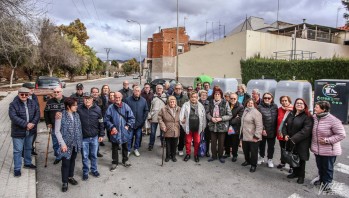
{"points": [[24, 186]]}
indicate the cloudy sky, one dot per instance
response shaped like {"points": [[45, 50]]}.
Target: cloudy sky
{"points": [[107, 26]]}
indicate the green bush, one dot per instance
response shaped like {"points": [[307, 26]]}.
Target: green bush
{"points": [[309, 70]]}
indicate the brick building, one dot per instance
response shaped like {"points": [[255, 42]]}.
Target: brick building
{"points": [[161, 52]]}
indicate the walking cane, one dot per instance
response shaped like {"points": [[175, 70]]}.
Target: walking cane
{"points": [[48, 144]]}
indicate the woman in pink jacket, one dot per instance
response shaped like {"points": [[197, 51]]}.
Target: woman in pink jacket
{"points": [[328, 131]]}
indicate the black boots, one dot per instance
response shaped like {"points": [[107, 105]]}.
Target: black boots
{"points": [[64, 187]]}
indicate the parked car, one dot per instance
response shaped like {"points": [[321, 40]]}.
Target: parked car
{"points": [[162, 81], [135, 76], [47, 82], [63, 83]]}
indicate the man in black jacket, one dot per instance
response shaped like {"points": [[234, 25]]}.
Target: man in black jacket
{"points": [[92, 132], [125, 91], [54, 105], [79, 94], [24, 115]]}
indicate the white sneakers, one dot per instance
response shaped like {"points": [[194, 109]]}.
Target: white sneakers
{"points": [[137, 154], [128, 154], [260, 160], [180, 153], [270, 163]]}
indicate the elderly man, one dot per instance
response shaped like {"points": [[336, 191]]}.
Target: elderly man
{"points": [[24, 115], [78, 95], [207, 88], [140, 111], [92, 133], [256, 96], [54, 105], [119, 120], [181, 99], [158, 102], [125, 91], [33, 97]]}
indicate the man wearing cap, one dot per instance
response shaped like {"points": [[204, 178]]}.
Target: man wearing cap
{"points": [[78, 95], [24, 115], [54, 105], [93, 132], [33, 97]]}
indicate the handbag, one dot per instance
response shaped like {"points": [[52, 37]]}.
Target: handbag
{"points": [[231, 130], [289, 157], [202, 147]]}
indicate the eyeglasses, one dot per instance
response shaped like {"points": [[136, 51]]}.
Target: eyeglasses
{"points": [[267, 98], [178, 88], [79, 89], [233, 98], [24, 94], [284, 100], [57, 92], [299, 103]]}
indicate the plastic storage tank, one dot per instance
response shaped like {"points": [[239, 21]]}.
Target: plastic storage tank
{"points": [[336, 92], [202, 79], [226, 84], [294, 89], [264, 85]]}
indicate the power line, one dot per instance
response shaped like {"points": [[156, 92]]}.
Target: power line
{"points": [[88, 13], [94, 6], [77, 9]]}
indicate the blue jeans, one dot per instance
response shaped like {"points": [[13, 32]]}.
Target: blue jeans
{"points": [[137, 133], [55, 144], [325, 167], [89, 153], [153, 129], [18, 145]]}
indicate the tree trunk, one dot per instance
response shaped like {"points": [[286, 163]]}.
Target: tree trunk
{"points": [[51, 72], [11, 78], [88, 75]]}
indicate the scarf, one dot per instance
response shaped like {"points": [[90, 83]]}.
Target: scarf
{"points": [[216, 108], [321, 115], [194, 107], [288, 108]]}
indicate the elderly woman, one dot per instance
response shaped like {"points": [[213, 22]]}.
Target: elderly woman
{"points": [[218, 115], [251, 131], [168, 118], [328, 131], [269, 111], [283, 111], [297, 133], [204, 101], [193, 121], [69, 135], [242, 94]]}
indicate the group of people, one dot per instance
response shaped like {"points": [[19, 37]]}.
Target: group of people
{"points": [[225, 121]]}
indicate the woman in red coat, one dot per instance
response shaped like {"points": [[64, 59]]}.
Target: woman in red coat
{"points": [[283, 111]]}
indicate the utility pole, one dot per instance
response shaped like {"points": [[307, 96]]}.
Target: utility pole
{"points": [[212, 32], [106, 69], [206, 32], [177, 42]]}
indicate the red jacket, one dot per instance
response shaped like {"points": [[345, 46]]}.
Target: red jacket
{"points": [[281, 114]]}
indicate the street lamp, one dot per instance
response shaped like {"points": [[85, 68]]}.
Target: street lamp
{"points": [[177, 40], [140, 49]]}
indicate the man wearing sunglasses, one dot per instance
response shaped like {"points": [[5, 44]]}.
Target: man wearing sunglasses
{"points": [[79, 94], [24, 115], [54, 105]]}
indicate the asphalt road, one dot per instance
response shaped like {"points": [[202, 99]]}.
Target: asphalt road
{"points": [[147, 178]]}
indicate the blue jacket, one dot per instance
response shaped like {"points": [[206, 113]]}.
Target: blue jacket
{"points": [[139, 108], [18, 117], [113, 119], [91, 121]]}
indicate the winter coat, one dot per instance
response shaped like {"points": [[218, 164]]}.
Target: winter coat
{"points": [[52, 107], [156, 105], [105, 103], [69, 133], [281, 113], [237, 112], [113, 119], [91, 121], [298, 128], [225, 114], [78, 98], [330, 128], [170, 122], [126, 93], [18, 116], [185, 111], [148, 97], [140, 110], [251, 125], [270, 114], [181, 99]]}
